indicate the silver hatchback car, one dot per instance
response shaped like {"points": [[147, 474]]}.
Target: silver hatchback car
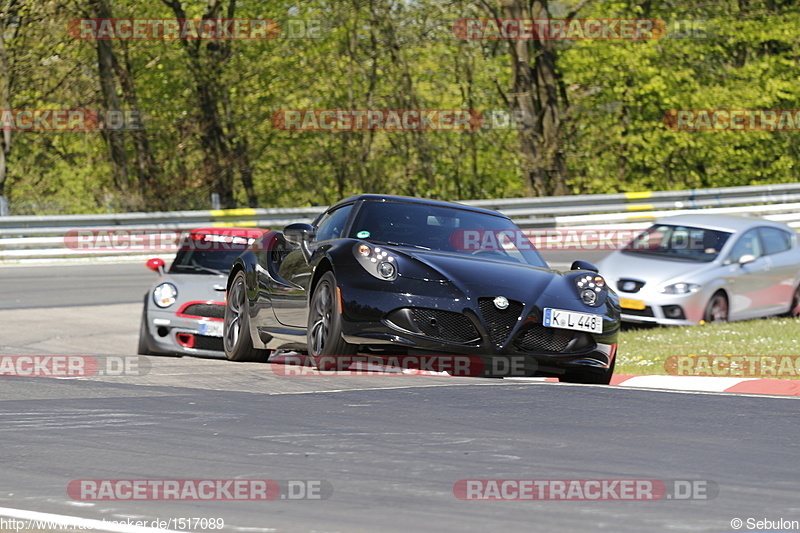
{"points": [[691, 268]]}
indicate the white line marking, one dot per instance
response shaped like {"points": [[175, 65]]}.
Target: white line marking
{"points": [[686, 383], [77, 522]]}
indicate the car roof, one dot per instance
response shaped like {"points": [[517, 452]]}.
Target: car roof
{"points": [[413, 200], [730, 223]]}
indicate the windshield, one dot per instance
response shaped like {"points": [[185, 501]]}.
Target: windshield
{"points": [[445, 229], [679, 242], [208, 254]]}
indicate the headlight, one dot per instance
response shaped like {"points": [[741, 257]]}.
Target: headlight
{"points": [[164, 295], [589, 288], [680, 288], [387, 270], [376, 261]]}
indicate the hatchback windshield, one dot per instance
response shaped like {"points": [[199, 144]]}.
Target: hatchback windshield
{"points": [[445, 229], [679, 242]]}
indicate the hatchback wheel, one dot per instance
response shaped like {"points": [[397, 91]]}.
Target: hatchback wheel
{"points": [[717, 309]]}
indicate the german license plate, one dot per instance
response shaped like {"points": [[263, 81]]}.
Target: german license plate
{"points": [[211, 329], [558, 318], [629, 303]]}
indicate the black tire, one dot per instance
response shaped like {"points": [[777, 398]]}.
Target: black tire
{"points": [[236, 339], [591, 376], [717, 308], [794, 308], [324, 333], [144, 335]]}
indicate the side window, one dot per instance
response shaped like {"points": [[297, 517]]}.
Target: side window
{"points": [[332, 224], [747, 244], [775, 240]]}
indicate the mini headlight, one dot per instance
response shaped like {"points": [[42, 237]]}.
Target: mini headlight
{"points": [[680, 288], [164, 295]]}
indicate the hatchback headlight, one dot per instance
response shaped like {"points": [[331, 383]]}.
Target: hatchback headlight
{"points": [[164, 295], [680, 288], [377, 261]]}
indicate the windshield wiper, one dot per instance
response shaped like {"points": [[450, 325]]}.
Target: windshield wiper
{"points": [[392, 243]]}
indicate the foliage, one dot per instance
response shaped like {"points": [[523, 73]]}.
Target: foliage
{"points": [[379, 54]]}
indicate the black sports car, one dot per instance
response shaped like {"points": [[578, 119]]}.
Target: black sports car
{"points": [[392, 276]]}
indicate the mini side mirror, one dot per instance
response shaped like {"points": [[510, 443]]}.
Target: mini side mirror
{"points": [[156, 265]]}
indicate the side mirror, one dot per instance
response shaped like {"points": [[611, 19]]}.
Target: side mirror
{"points": [[746, 258], [156, 265], [298, 233], [583, 265]]}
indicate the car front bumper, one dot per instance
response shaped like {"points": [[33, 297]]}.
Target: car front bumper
{"points": [[518, 345], [655, 308], [169, 334]]}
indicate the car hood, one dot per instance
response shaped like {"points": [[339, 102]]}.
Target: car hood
{"points": [[648, 269], [196, 286], [479, 276]]}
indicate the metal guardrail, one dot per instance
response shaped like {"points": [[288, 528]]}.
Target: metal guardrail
{"points": [[43, 237]]}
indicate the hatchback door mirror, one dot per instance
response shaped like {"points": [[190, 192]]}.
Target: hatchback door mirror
{"points": [[747, 258]]}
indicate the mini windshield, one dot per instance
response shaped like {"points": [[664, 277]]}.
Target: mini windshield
{"points": [[686, 243], [444, 229], [208, 253]]}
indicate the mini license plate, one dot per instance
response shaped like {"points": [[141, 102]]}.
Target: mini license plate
{"points": [[558, 318], [211, 329]]}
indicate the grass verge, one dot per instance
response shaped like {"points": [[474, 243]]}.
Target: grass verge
{"points": [[644, 351]]}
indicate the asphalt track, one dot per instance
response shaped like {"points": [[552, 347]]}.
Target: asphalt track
{"points": [[391, 447]]}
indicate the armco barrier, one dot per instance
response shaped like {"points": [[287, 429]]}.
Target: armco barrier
{"points": [[25, 238]]}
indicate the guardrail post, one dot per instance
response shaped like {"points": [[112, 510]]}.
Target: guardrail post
{"points": [[215, 203], [3, 206]]}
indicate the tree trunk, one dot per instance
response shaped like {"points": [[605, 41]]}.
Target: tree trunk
{"points": [[536, 93], [5, 101], [223, 152], [115, 140], [146, 168]]}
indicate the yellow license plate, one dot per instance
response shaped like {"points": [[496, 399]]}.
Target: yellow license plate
{"points": [[628, 303]]}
